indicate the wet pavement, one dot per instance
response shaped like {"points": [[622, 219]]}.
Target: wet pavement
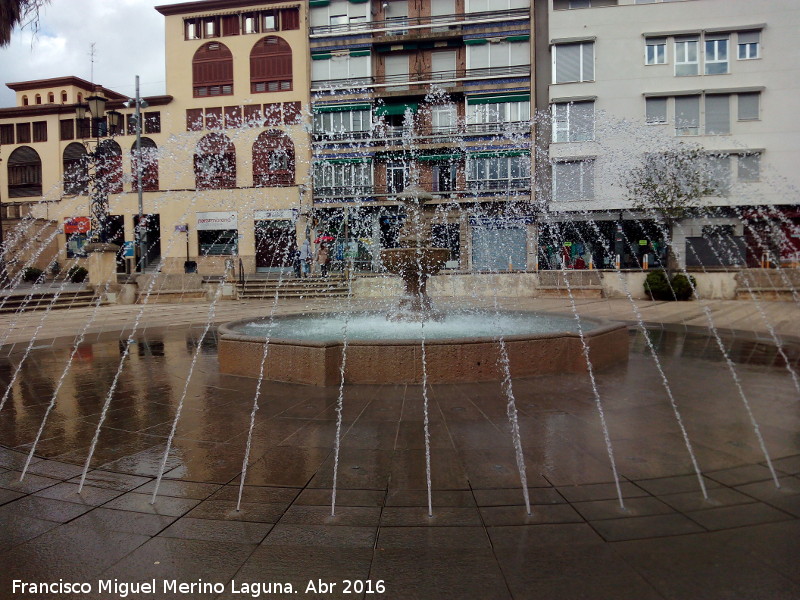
{"points": [[668, 541]]}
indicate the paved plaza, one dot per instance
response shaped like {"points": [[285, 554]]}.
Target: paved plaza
{"points": [[577, 542]]}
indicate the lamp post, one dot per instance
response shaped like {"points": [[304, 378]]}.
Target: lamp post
{"points": [[3, 272], [141, 228]]}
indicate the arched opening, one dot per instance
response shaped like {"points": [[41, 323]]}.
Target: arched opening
{"points": [[108, 167], [212, 71], [273, 160], [24, 101], [63, 96], [76, 169], [80, 97], [51, 98], [149, 156], [215, 162], [271, 65], [24, 173], [38, 98]]}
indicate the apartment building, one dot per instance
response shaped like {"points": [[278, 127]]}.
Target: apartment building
{"points": [[434, 94], [224, 154], [622, 78]]}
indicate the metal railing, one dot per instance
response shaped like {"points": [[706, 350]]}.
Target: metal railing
{"points": [[408, 24], [502, 187], [437, 134]]}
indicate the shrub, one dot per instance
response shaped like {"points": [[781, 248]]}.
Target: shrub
{"points": [[77, 274], [682, 286], [32, 274], [658, 287]]}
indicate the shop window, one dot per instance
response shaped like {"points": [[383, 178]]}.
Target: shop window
{"points": [[215, 162], [218, 242]]}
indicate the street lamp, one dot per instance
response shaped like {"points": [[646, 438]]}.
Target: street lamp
{"points": [[141, 228]]}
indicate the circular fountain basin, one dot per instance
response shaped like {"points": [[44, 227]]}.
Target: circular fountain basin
{"points": [[462, 347]]}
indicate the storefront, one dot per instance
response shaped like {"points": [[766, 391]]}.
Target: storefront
{"points": [[218, 233], [77, 230], [500, 243], [275, 239]]}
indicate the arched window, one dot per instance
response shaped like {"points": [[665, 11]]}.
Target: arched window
{"points": [[80, 97], [51, 97], [149, 153], [215, 162], [38, 98], [108, 166], [24, 101], [63, 96], [271, 65], [24, 173], [212, 70], [76, 169], [273, 160]]}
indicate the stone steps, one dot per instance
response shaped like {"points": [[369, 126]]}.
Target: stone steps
{"points": [[293, 288], [44, 301]]}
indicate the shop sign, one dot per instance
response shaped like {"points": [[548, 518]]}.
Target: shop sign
{"points": [[643, 242], [287, 214], [210, 221], [77, 225]]}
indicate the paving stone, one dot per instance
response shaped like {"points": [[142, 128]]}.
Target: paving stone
{"points": [[163, 505], [645, 527], [240, 532], [611, 509], [726, 517]]}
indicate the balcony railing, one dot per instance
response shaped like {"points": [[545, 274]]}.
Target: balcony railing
{"points": [[402, 26], [502, 187], [434, 133], [406, 81]]}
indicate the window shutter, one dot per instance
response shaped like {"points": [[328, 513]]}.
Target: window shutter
{"points": [[194, 119], [290, 19], [478, 56], [588, 61], [749, 37], [582, 114], [442, 7], [687, 112], [749, 167], [230, 25], [67, 129], [520, 53], [656, 109], [568, 62], [748, 106], [442, 62], [718, 114]]}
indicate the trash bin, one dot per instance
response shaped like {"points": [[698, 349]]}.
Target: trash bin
{"points": [[190, 266]]}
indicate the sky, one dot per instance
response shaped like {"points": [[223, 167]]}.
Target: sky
{"points": [[128, 37]]}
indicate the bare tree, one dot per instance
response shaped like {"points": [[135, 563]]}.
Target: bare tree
{"points": [[671, 185], [22, 13]]}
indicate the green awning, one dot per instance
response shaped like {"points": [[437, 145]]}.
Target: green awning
{"points": [[518, 38], [321, 56], [396, 109], [496, 153], [360, 159], [498, 98], [358, 1], [359, 52], [476, 41], [317, 3], [341, 108], [431, 157]]}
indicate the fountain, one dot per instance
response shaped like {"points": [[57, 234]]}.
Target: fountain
{"points": [[462, 345]]}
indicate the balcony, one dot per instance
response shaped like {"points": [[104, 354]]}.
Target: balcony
{"points": [[491, 188], [408, 25], [417, 81], [422, 135]]}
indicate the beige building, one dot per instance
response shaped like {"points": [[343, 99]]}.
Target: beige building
{"points": [[225, 155], [629, 77]]}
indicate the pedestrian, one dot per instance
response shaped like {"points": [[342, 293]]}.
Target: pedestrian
{"points": [[323, 258], [296, 263], [305, 257]]}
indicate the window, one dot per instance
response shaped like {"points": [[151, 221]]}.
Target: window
{"points": [[655, 51], [749, 167], [38, 98], [342, 123], [396, 14], [687, 115], [498, 172], [716, 62], [194, 119], [749, 106], [396, 180], [63, 97], [719, 171], [494, 113], [573, 180], [23, 133], [218, 242], [214, 118], [66, 129], [345, 179], [51, 97], [251, 23], [749, 44], [497, 56], [215, 162], [152, 122], [656, 110], [448, 235], [230, 25], [210, 27], [40, 131], [474, 6], [348, 69], [444, 118], [24, 173], [212, 70], [292, 113], [290, 18], [271, 65], [108, 166], [396, 71], [444, 175], [718, 114], [6, 134], [273, 160], [573, 62], [443, 66], [686, 60], [573, 121], [24, 101], [340, 15], [149, 165], [233, 117], [192, 29], [76, 170]]}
